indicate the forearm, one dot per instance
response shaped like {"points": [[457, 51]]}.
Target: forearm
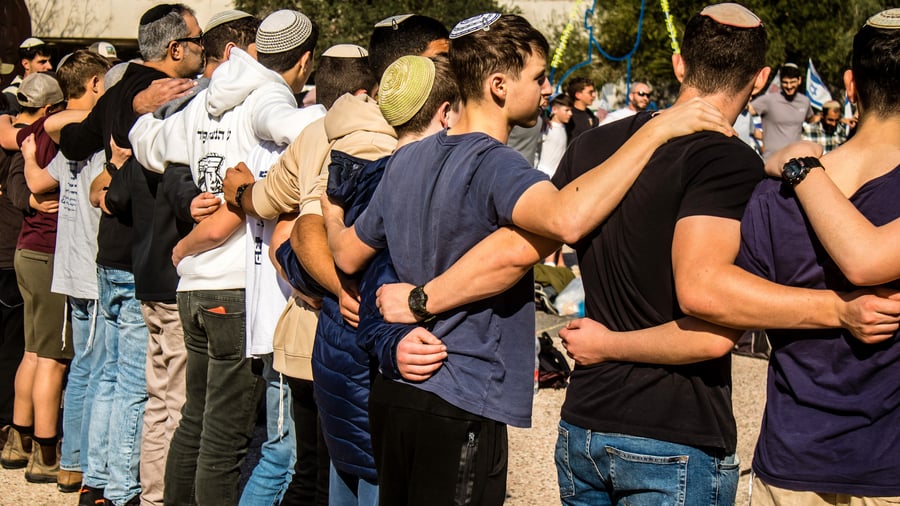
{"points": [[54, 124], [38, 179], [684, 341], [310, 244], [210, 233], [8, 133], [732, 297], [489, 268], [98, 188], [866, 254]]}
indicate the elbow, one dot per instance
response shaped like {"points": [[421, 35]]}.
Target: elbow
{"points": [[863, 275], [698, 303], [346, 264]]}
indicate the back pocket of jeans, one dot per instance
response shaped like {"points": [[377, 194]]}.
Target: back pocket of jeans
{"points": [[661, 480], [224, 333]]}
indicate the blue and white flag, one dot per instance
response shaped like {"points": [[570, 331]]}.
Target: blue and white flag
{"points": [[815, 89]]}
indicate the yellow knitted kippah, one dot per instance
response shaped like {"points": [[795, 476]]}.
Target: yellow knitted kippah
{"points": [[404, 88]]}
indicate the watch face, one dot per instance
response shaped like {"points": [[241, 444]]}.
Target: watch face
{"points": [[791, 171]]}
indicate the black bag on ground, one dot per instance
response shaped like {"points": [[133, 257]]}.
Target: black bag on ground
{"points": [[553, 369]]}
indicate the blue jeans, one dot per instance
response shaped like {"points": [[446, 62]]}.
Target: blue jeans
{"points": [[273, 472], [345, 489], [596, 469], [114, 441], [221, 393], [81, 387]]}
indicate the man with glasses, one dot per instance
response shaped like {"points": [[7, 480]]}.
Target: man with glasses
{"points": [[783, 113], [638, 100], [167, 41]]}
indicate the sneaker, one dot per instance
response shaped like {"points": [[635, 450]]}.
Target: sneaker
{"points": [[43, 467], [68, 481], [90, 496], [17, 449]]}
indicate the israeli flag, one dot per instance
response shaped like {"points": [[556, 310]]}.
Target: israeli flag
{"points": [[815, 89]]}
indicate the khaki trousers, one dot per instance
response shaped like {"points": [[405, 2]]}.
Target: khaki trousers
{"points": [[766, 495]]}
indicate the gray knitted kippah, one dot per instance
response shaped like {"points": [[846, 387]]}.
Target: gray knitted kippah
{"points": [[282, 31]]}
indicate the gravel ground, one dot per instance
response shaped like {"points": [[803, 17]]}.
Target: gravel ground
{"points": [[532, 474]]}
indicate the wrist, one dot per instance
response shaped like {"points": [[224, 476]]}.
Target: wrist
{"points": [[239, 194], [418, 302]]}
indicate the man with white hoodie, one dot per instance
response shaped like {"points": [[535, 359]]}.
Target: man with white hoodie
{"points": [[247, 102]]}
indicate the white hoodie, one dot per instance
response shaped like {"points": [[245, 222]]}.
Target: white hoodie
{"points": [[245, 104]]}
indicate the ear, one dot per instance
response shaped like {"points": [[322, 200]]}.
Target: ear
{"points": [[228, 47], [850, 86], [678, 66], [176, 50], [95, 84], [497, 83], [306, 62], [762, 77], [443, 114]]}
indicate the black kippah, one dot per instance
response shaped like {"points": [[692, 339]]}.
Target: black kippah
{"points": [[158, 12]]}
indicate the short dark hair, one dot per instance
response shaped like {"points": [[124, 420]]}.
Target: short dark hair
{"points": [[577, 84], [719, 57], [336, 76], [443, 90], [29, 53], [280, 62], [876, 70], [790, 71], [510, 41], [562, 100], [77, 69], [242, 32], [410, 37]]}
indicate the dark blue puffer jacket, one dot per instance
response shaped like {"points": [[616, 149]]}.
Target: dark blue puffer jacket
{"points": [[342, 369]]}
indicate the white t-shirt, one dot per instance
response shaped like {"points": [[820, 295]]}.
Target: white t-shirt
{"points": [[266, 292], [553, 148], [75, 260]]}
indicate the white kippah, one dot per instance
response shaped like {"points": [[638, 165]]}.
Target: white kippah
{"points": [[282, 31], [220, 18], [346, 51], [886, 20]]}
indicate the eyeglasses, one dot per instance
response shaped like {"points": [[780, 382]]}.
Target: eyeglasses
{"points": [[196, 40], [642, 93]]}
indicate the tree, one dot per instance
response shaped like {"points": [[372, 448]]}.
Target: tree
{"points": [[352, 22], [822, 31]]}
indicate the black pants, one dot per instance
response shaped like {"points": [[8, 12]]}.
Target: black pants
{"points": [[309, 486], [429, 452], [12, 341]]}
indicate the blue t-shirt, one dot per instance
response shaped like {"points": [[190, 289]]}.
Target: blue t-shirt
{"points": [[832, 418], [438, 198]]}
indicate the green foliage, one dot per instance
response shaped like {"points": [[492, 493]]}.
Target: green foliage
{"points": [[351, 22], [821, 30]]}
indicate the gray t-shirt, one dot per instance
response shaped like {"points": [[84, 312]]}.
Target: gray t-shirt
{"points": [[74, 264], [782, 119], [438, 198]]}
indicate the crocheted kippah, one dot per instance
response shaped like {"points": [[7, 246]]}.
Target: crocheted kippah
{"points": [[220, 18], [473, 24], [38, 90], [732, 14], [404, 88], [282, 31], [6, 68], [346, 51], [886, 20]]}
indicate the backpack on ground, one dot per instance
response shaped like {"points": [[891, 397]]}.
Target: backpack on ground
{"points": [[553, 369]]}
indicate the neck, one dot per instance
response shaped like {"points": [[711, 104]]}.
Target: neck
{"points": [[85, 102], [26, 118], [730, 105], [165, 66], [580, 106], [484, 117]]}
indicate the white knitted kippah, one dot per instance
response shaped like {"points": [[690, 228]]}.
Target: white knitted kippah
{"points": [[886, 20], [282, 31]]}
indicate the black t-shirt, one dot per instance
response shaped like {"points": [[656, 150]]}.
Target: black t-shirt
{"points": [[10, 215], [581, 122], [626, 266], [113, 116]]}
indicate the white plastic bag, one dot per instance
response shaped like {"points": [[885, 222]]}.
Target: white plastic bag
{"points": [[570, 301]]}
